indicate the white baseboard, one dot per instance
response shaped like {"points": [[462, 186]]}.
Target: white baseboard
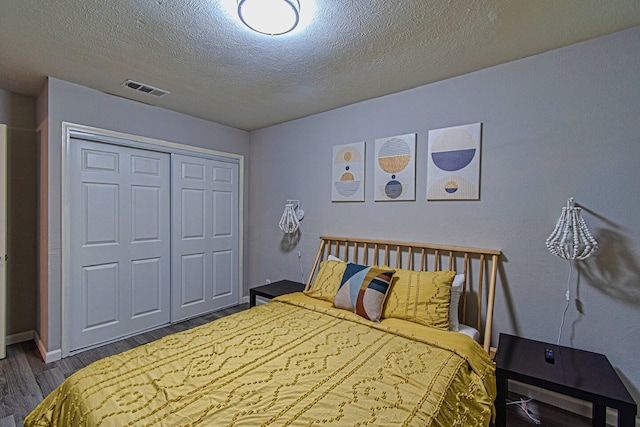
{"points": [[568, 403], [47, 356], [18, 338], [245, 300]]}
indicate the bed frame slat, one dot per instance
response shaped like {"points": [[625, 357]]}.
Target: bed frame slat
{"points": [[473, 267], [463, 314], [480, 276]]}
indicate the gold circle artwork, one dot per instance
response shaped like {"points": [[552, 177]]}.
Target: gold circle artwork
{"points": [[394, 164], [347, 176], [394, 155]]}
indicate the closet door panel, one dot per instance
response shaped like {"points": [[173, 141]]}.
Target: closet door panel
{"points": [[224, 233], [146, 290], [193, 278], [100, 205], [223, 276], [100, 288], [95, 288], [146, 214], [119, 242], [205, 245], [193, 222]]}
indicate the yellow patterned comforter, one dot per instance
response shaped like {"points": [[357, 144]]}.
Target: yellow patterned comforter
{"points": [[295, 361]]}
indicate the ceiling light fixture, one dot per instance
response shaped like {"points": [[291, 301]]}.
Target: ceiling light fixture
{"points": [[272, 17]]}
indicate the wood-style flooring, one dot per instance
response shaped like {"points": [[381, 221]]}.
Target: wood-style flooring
{"points": [[25, 379]]}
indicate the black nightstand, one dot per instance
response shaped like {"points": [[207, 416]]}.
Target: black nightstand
{"points": [[578, 373], [273, 290]]}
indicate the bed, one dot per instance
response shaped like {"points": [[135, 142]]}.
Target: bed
{"points": [[301, 360]]}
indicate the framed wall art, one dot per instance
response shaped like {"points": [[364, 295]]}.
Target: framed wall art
{"points": [[348, 173], [453, 166], [395, 168]]}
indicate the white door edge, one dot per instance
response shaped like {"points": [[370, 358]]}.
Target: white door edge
{"points": [[3, 239]]}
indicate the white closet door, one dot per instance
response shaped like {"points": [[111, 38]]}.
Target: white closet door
{"points": [[119, 241], [204, 236]]}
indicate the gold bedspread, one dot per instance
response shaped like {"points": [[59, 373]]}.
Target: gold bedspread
{"points": [[295, 361]]}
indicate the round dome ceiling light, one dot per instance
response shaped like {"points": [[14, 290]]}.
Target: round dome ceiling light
{"points": [[272, 17]]}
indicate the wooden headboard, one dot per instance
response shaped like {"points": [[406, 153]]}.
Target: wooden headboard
{"points": [[479, 266]]}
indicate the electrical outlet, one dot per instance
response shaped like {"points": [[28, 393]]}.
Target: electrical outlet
{"points": [[268, 282]]}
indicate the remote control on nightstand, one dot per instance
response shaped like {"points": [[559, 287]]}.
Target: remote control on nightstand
{"points": [[549, 357]]}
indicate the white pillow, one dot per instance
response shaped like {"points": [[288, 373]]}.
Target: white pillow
{"points": [[456, 292], [334, 258], [472, 332]]}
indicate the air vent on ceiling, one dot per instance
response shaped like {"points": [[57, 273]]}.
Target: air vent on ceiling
{"points": [[141, 87]]}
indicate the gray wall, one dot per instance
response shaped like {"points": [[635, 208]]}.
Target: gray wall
{"points": [[18, 113], [62, 101], [561, 124]]}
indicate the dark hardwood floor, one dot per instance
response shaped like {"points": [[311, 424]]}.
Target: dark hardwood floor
{"points": [[25, 379]]}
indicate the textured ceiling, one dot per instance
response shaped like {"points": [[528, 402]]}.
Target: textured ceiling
{"points": [[348, 51]]}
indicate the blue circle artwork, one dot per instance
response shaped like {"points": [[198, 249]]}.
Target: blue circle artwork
{"points": [[451, 187], [453, 160], [393, 189]]}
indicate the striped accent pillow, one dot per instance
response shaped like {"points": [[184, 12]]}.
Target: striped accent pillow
{"points": [[363, 290]]}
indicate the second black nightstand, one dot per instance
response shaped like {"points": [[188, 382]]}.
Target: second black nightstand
{"points": [[273, 290], [578, 373]]}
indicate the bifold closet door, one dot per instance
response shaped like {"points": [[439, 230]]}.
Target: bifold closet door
{"points": [[119, 241], [205, 239]]}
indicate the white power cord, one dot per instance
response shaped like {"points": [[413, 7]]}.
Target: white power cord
{"points": [[566, 307], [301, 270], [522, 403], [570, 239]]}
